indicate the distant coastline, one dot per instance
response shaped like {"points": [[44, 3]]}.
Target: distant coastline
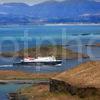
{"points": [[51, 24], [62, 24]]}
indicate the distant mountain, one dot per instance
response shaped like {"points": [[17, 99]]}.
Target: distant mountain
{"points": [[68, 11]]}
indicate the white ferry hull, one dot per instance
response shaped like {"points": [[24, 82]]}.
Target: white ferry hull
{"points": [[39, 63]]}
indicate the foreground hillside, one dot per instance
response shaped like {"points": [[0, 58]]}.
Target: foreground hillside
{"points": [[85, 75], [80, 83]]}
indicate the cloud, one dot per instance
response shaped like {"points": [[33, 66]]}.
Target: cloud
{"points": [[87, 14], [3, 13], [30, 2], [97, 0]]}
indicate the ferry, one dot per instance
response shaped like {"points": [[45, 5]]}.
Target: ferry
{"points": [[51, 60]]}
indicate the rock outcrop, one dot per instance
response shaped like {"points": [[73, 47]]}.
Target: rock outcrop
{"points": [[83, 80]]}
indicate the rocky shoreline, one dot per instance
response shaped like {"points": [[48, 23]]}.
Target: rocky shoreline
{"points": [[36, 81], [18, 77], [57, 88]]}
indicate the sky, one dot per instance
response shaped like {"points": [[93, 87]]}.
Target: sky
{"points": [[30, 2]]}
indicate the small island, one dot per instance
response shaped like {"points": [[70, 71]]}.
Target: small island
{"points": [[58, 51], [94, 45]]}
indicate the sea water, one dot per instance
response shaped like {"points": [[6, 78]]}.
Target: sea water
{"points": [[10, 88], [74, 37], [14, 38]]}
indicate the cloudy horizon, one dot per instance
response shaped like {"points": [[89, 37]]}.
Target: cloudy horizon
{"points": [[30, 2], [33, 2]]}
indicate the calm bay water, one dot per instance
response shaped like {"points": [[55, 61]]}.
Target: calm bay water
{"points": [[14, 38], [10, 88], [19, 37]]}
